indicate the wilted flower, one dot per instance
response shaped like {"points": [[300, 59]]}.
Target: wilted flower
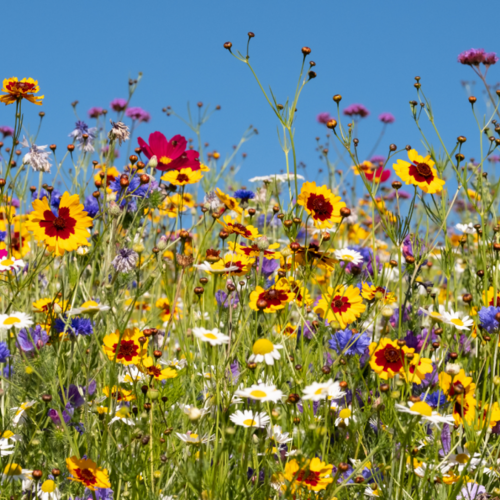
{"points": [[125, 260], [37, 157], [119, 131]]}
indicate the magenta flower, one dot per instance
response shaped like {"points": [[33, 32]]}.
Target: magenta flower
{"points": [[138, 114], [323, 118], [356, 110], [6, 131], [472, 57], [387, 118], [490, 58], [118, 104], [95, 112], [380, 174]]}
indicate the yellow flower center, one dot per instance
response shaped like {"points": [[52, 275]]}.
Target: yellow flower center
{"points": [[7, 434], [13, 470], [165, 160], [321, 390], [89, 304], [11, 321], [258, 394], [345, 413], [249, 422], [193, 436], [348, 258], [49, 486], [263, 346], [457, 322], [210, 336], [7, 262], [462, 458], [422, 408]]}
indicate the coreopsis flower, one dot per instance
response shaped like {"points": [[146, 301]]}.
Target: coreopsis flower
{"points": [[371, 292], [417, 369], [321, 204], [182, 177], [419, 172], [126, 260], [253, 250], [15, 319], [464, 409], [36, 157], [232, 264], [125, 348], [248, 418], [273, 299], [489, 297], [87, 472], [348, 255], [387, 358], [457, 385], [313, 256], [17, 90], [149, 367], [302, 295], [48, 305], [228, 201], [171, 155], [234, 227], [213, 337], [119, 132], [118, 393], [166, 309], [64, 231], [459, 321], [260, 392], [344, 305], [264, 350], [311, 475]]}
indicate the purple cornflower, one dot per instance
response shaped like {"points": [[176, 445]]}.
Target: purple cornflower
{"points": [[269, 266], [91, 206], [138, 114], [356, 110], [96, 112], [133, 192], [4, 352], [6, 131], [33, 339], [77, 326], [471, 491], [125, 260], [487, 318], [82, 128], [118, 104], [348, 343], [222, 300], [323, 118], [387, 118]]}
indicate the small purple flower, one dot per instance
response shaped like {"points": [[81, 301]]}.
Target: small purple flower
{"points": [[222, 300], [118, 104], [91, 206], [356, 110], [490, 58], [376, 159], [6, 131], [345, 341], [323, 118], [465, 344], [244, 195], [67, 414], [494, 158], [96, 112], [4, 352], [472, 57], [33, 339], [269, 266], [72, 396], [77, 326], [138, 114], [471, 491], [387, 118], [8, 371], [487, 318]]}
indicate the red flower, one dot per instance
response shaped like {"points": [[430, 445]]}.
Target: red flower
{"points": [[380, 174], [171, 155]]}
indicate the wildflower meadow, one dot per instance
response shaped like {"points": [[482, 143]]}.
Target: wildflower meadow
{"points": [[171, 328]]}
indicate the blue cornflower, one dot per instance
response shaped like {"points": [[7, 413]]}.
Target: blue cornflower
{"points": [[244, 195], [4, 352], [91, 206], [349, 343], [34, 338], [8, 371], [77, 134], [3, 235], [435, 399], [487, 318], [133, 191], [77, 326]]}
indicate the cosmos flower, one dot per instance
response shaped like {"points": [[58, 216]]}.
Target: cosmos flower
{"points": [[265, 351], [321, 204], [17, 90], [64, 231], [87, 472], [248, 418], [171, 155], [125, 348], [420, 172], [344, 305], [379, 175]]}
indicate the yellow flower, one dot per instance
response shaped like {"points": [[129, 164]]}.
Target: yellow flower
{"points": [[125, 349], [87, 472], [17, 90], [63, 232], [417, 370], [458, 385], [344, 305], [182, 177], [313, 475], [118, 393], [321, 204], [234, 227], [274, 298], [237, 265], [464, 409], [387, 358], [166, 312], [420, 172], [254, 251], [489, 299], [148, 366], [229, 202], [107, 175], [370, 292]]}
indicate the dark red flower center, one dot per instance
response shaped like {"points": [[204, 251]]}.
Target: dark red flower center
{"points": [[424, 170], [240, 229], [273, 297], [62, 226], [86, 476], [421, 172], [128, 350], [20, 86], [321, 207], [309, 477], [154, 371], [237, 264], [456, 389], [182, 178], [390, 357], [340, 304]]}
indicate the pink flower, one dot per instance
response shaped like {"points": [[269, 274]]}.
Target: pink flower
{"points": [[323, 118], [472, 57], [95, 112], [387, 118], [490, 58], [138, 114], [171, 155], [118, 104], [380, 174], [6, 131], [356, 110]]}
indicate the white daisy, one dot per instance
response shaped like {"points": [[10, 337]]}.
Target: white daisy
{"points": [[248, 418], [423, 410], [345, 416], [261, 392], [16, 319], [48, 491], [466, 228], [21, 415], [275, 434], [455, 319], [434, 315], [7, 264], [193, 411], [89, 307], [213, 337], [6, 448], [193, 438], [178, 364], [122, 415], [465, 460], [321, 390], [265, 351], [14, 472], [276, 178], [206, 266], [130, 375], [347, 255]]}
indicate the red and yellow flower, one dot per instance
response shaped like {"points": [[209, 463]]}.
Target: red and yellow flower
{"points": [[419, 172], [125, 349], [106, 176], [62, 232], [254, 251], [274, 298], [241, 262], [302, 295], [387, 358], [166, 309], [149, 367], [321, 204], [87, 472], [118, 393], [182, 177], [417, 370], [491, 417], [464, 409], [457, 385], [344, 305], [228, 201], [371, 292], [234, 227], [17, 90], [489, 297], [311, 475]]}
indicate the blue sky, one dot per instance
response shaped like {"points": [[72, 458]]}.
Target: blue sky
{"points": [[367, 51]]}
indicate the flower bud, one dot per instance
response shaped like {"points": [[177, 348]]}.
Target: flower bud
{"points": [[114, 209], [138, 247], [387, 312], [452, 368], [262, 243], [153, 162], [194, 414]]}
